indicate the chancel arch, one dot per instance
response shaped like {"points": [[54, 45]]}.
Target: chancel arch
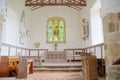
{"points": [[56, 30]]}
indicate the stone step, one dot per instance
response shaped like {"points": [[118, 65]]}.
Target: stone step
{"points": [[77, 66], [57, 69]]}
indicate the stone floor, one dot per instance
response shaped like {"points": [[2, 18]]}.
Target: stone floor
{"points": [[55, 76]]}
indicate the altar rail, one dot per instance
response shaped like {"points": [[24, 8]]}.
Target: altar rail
{"points": [[97, 50], [11, 50]]}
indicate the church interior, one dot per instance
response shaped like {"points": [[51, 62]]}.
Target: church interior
{"points": [[59, 39]]}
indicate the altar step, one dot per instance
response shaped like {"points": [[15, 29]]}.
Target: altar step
{"points": [[58, 67]]}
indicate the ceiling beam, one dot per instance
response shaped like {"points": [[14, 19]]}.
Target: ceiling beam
{"points": [[76, 4], [35, 8], [54, 4]]}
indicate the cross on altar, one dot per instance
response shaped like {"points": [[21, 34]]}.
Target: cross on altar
{"points": [[55, 46]]}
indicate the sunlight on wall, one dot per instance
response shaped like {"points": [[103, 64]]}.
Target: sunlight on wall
{"points": [[96, 23]]}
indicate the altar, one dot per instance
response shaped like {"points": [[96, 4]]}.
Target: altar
{"points": [[55, 57]]}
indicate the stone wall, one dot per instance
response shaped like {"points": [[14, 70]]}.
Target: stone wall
{"points": [[111, 23]]}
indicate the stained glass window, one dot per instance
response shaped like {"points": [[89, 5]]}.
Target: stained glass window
{"points": [[56, 30]]}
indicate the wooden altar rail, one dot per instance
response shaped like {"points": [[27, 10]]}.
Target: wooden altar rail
{"points": [[97, 50], [11, 50], [38, 51], [74, 50]]}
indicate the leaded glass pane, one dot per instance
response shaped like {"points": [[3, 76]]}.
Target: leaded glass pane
{"points": [[55, 30], [50, 31]]}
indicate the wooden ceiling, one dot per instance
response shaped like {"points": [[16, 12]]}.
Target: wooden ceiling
{"points": [[35, 4]]}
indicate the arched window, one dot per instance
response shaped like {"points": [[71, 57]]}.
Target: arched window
{"points": [[56, 30]]}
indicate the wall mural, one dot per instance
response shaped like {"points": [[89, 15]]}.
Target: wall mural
{"points": [[85, 29]]}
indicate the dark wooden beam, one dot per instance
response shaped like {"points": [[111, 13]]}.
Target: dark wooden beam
{"points": [[35, 4], [54, 4], [76, 8], [35, 8]]}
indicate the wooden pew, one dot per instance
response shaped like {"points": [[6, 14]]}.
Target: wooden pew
{"points": [[89, 66], [10, 64], [4, 69]]}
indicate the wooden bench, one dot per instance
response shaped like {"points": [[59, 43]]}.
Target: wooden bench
{"points": [[10, 65], [4, 69], [89, 67]]}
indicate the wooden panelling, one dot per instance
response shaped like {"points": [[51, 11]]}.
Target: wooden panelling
{"points": [[4, 69], [30, 66], [89, 67], [22, 69], [10, 66]]}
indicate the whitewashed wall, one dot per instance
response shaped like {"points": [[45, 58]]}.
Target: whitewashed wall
{"points": [[14, 12], [1, 26], [85, 13], [39, 21], [96, 24], [2, 5], [107, 6], [36, 23], [110, 6]]}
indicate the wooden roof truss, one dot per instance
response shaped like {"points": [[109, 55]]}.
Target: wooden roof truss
{"points": [[35, 4]]}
